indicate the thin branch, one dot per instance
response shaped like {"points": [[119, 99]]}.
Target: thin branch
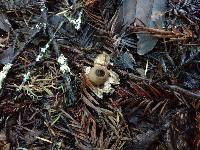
{"points": [[182, 91]]}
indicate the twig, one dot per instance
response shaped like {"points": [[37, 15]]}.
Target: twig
{"points": [[133, 76], [182, 91]]}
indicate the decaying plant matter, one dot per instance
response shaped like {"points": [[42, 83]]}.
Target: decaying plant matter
{"points": [[100, 74]]}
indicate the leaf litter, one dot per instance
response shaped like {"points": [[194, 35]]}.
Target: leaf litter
{"points": [[92, 74]]}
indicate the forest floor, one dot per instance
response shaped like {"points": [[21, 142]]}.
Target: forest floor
{"points": [[100, 74]]}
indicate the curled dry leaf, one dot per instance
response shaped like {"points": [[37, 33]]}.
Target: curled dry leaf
{"points": [[144, 13], [4, 23], [7, 56], [4, 37], [151, 14], [4, 30]]}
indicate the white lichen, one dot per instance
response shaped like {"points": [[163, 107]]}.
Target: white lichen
{"points": [[4, 73], [38, 58], [26, 76], [42, 52], [37, 26], [64, 68], [78, 21], [75, 22], [43, 8]]}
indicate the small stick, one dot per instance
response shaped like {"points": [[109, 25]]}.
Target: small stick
{"points": [[181, 90]]}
